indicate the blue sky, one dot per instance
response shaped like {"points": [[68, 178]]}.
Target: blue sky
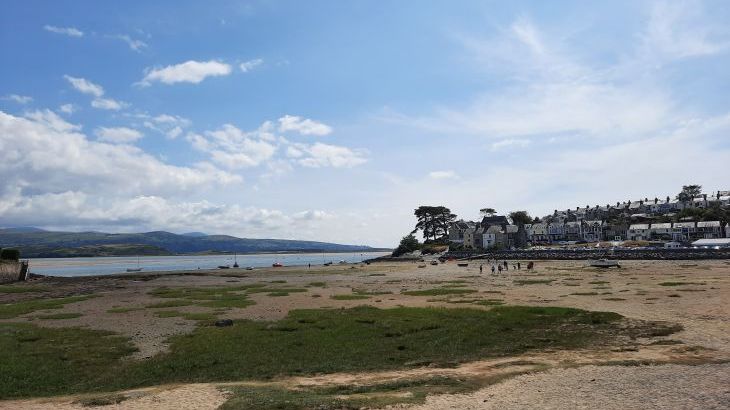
{"points": [[333, 120]]}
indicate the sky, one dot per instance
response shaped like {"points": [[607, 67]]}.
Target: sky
{"points": [[333, 121]]}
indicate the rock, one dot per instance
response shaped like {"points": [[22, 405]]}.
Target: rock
{"points": [[224, 323]]}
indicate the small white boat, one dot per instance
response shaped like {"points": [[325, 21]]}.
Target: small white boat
{"points": [[605, 263], [137, 269]]}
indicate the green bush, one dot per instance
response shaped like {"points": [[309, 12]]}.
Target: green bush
{"points": [[408, 244], [10, 254]]}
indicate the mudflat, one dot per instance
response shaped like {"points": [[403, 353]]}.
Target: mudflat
{"points": [[669, 349]]}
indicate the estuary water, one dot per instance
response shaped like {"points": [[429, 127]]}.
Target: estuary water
{"points": [[110, 265]]}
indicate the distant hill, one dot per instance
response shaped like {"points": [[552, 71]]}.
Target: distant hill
{"points": [[195, 234], [39, 243]]}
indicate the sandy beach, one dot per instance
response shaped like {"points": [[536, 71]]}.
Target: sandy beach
{"points": [[687, 369]]}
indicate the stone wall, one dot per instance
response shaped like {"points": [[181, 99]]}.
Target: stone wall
{"points": [[10, 271], [624, 254]]}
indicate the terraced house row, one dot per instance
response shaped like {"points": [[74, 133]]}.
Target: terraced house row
{"points": [[630, 220]]}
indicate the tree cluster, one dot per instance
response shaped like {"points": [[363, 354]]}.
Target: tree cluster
{"points": [[434, 221]]}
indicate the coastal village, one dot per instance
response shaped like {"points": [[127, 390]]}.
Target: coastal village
{"points": [[653, 221]]}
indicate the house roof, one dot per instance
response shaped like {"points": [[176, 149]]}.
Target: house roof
{"points": [[667, 225], [708, 224], [639, 226], [712, 242], [494, 229], [684, 224]]}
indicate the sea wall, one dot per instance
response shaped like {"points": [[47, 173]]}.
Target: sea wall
{"points": [[622, 254], [10, 271]]}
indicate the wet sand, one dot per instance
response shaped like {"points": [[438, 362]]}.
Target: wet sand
{"points": [[698, 301]]}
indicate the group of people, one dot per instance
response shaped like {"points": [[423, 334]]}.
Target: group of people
{"points": [[499, 267]]}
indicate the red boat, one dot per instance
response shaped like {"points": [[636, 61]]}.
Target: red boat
{"points": [[277, 265]]}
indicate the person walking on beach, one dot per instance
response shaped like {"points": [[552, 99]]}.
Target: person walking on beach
{"points": [[518, 266], [499, 268], [480, 269], [492, 269], [506, 266]]}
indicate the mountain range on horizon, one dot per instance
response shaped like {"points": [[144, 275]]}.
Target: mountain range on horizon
{"points": [[37, 243]]}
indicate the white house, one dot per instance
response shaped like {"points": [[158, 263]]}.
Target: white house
{"points": [[683, 231], [638, 232], [593, 231], [492, 237], [537, 233], [556, 232], [661, 230], [709, 229]]}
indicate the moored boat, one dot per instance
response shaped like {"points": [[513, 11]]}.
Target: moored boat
{"points": [[605, 263]]}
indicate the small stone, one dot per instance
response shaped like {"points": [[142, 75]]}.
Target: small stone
{"points": [[224, 323]]}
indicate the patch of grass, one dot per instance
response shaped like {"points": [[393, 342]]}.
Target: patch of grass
{"points": [[277, 281], [585, 293], [439, 292], [215, 297], [681, 283], [599, 282], [39, 362], [674, 295], [493, 291], [318, 284], [349, 297], [170, 303], [376, 274], [168, 313], [12, 310], [371, 292], [614, 299], [105, 400], [522, 282], [124, 309], [270, 290], [22, 289], [413, 391], [200, 316], [278, 294], [490, 302], [58, 316]]}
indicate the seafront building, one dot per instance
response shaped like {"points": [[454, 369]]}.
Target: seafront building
{"points": [[629, 220]]}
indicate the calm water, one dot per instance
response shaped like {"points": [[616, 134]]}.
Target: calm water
{"points": [[109, 265]]}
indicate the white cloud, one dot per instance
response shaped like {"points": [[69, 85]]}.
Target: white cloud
{"points": [[51, 120], [303, 126], [247, 66], [678, 30], [511, 142], [171, 126], [44, 154], [187, 72], [119, 135], [134, 45], [108, 104], [67, 108], [85, 86], [69, 31], [233, 148], [443, 175], [20, 99], [320, 155]]}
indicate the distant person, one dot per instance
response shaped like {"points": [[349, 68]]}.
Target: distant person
{"points": [[480, 269], [499, 268], [309, 265], [506, 266], [518, 266], [493, 269]]}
